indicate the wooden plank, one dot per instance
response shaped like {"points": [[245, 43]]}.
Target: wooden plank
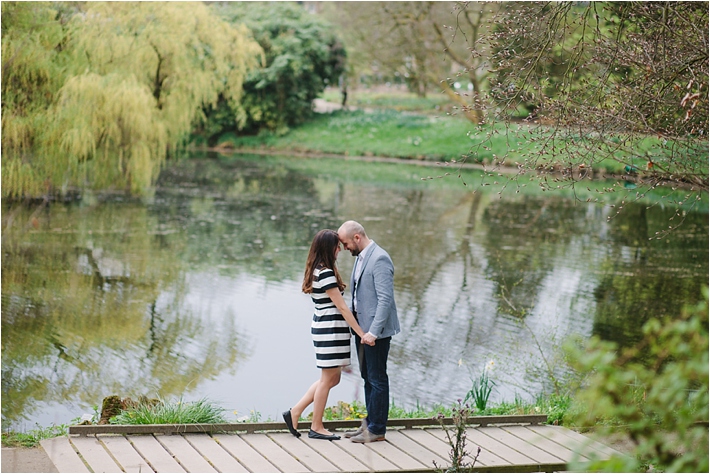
{"points": [[367, 456], [214, 453], [526, 453], [430, 442], [491, 451], [557, 450], [303, 452], [95, 455], [303, 425], [605, 452], [274, 453], [335, 455], [396, 456], [414, 449], [156, 455], [573, 445], [123, 452], [244, 453], [185, 454], [170, 429], [63, 455]]}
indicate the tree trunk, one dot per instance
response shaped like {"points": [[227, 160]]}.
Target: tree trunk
{"points": [[470, 111]]}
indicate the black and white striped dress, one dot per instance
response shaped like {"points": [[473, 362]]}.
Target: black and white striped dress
{"points": [[330, 331]]}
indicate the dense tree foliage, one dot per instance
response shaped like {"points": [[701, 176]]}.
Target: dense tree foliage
{"points": [[98, 93], [623, 81], [302, 56]]}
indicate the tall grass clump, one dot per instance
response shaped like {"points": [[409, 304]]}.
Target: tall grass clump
{"points": [[165, 412], [481, 389]]}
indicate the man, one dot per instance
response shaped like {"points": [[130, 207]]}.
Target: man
{"points": [[372, 287]]}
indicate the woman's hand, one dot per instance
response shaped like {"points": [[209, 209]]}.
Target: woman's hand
{"points": [[368, 339]]}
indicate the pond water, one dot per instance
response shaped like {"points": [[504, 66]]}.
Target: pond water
{"points": [[195, 291]]}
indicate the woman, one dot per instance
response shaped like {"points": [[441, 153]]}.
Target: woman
{"points": [[330, 330]]}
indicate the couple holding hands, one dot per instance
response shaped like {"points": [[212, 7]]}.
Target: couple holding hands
{"points": [[372, 318]]}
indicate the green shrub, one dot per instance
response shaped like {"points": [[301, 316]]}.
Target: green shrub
{"points": [[301, 56], [655, 392]]}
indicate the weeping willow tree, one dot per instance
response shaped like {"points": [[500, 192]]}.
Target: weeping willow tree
{"points": [[31, 76], [100, 94]]}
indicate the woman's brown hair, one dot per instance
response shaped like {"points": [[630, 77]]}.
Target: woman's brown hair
{"points": [[322, 255]]}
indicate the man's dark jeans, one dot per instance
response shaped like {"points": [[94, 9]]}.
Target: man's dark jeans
{"points": [[373, 369]]}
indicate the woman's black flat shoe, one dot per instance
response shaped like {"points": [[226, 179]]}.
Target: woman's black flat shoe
{"points": [[289, 423], [316, 435]]}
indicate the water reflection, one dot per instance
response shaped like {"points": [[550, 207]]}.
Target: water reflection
{"points": [[196, 291]]}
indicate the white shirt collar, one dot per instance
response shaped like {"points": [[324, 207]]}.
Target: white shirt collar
{"points": [[364, 251]]}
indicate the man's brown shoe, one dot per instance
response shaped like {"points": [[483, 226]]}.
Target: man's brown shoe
{"points": [[367, 437], [363, 427]]}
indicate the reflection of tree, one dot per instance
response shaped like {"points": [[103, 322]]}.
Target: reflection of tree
{"points": [[461, 252], [644, 278], [522, 240], [249, 222], [75, 319]]}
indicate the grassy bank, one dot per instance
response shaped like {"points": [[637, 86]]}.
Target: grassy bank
{"points": [[402, 125], [388, 133], [380, 133]]}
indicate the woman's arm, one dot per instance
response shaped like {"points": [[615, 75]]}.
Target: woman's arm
{"points": [[339, 302]]}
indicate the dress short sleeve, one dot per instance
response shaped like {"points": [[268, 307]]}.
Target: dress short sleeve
{"points": [[325, 279]]}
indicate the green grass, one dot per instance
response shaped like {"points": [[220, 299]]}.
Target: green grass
{"points": [[390, 132], [166, 412], [385, 133], [556, 407], [30, 439], [391, 99]]}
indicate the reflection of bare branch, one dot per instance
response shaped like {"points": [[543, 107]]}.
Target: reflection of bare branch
{"points": [[463, 250], [537, 215], [512, 306], [152, 329]]}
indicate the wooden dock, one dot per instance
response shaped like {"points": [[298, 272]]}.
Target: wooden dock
{"points": [[508, 444]]}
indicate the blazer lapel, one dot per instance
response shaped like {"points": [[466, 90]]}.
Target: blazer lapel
{"points": [[352, 277], [364, 261]]}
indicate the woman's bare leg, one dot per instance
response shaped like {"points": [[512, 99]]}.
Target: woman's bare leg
{"points": [[303, 403], [329, 378]]}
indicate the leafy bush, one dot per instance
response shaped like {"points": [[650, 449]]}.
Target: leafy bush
{"points": [[302, 56], [656, 392]]}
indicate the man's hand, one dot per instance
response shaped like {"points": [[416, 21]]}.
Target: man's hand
{"points": [[369, 339]]}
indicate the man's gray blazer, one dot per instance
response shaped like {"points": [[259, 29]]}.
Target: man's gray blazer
{"points": [[376, 310]]}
